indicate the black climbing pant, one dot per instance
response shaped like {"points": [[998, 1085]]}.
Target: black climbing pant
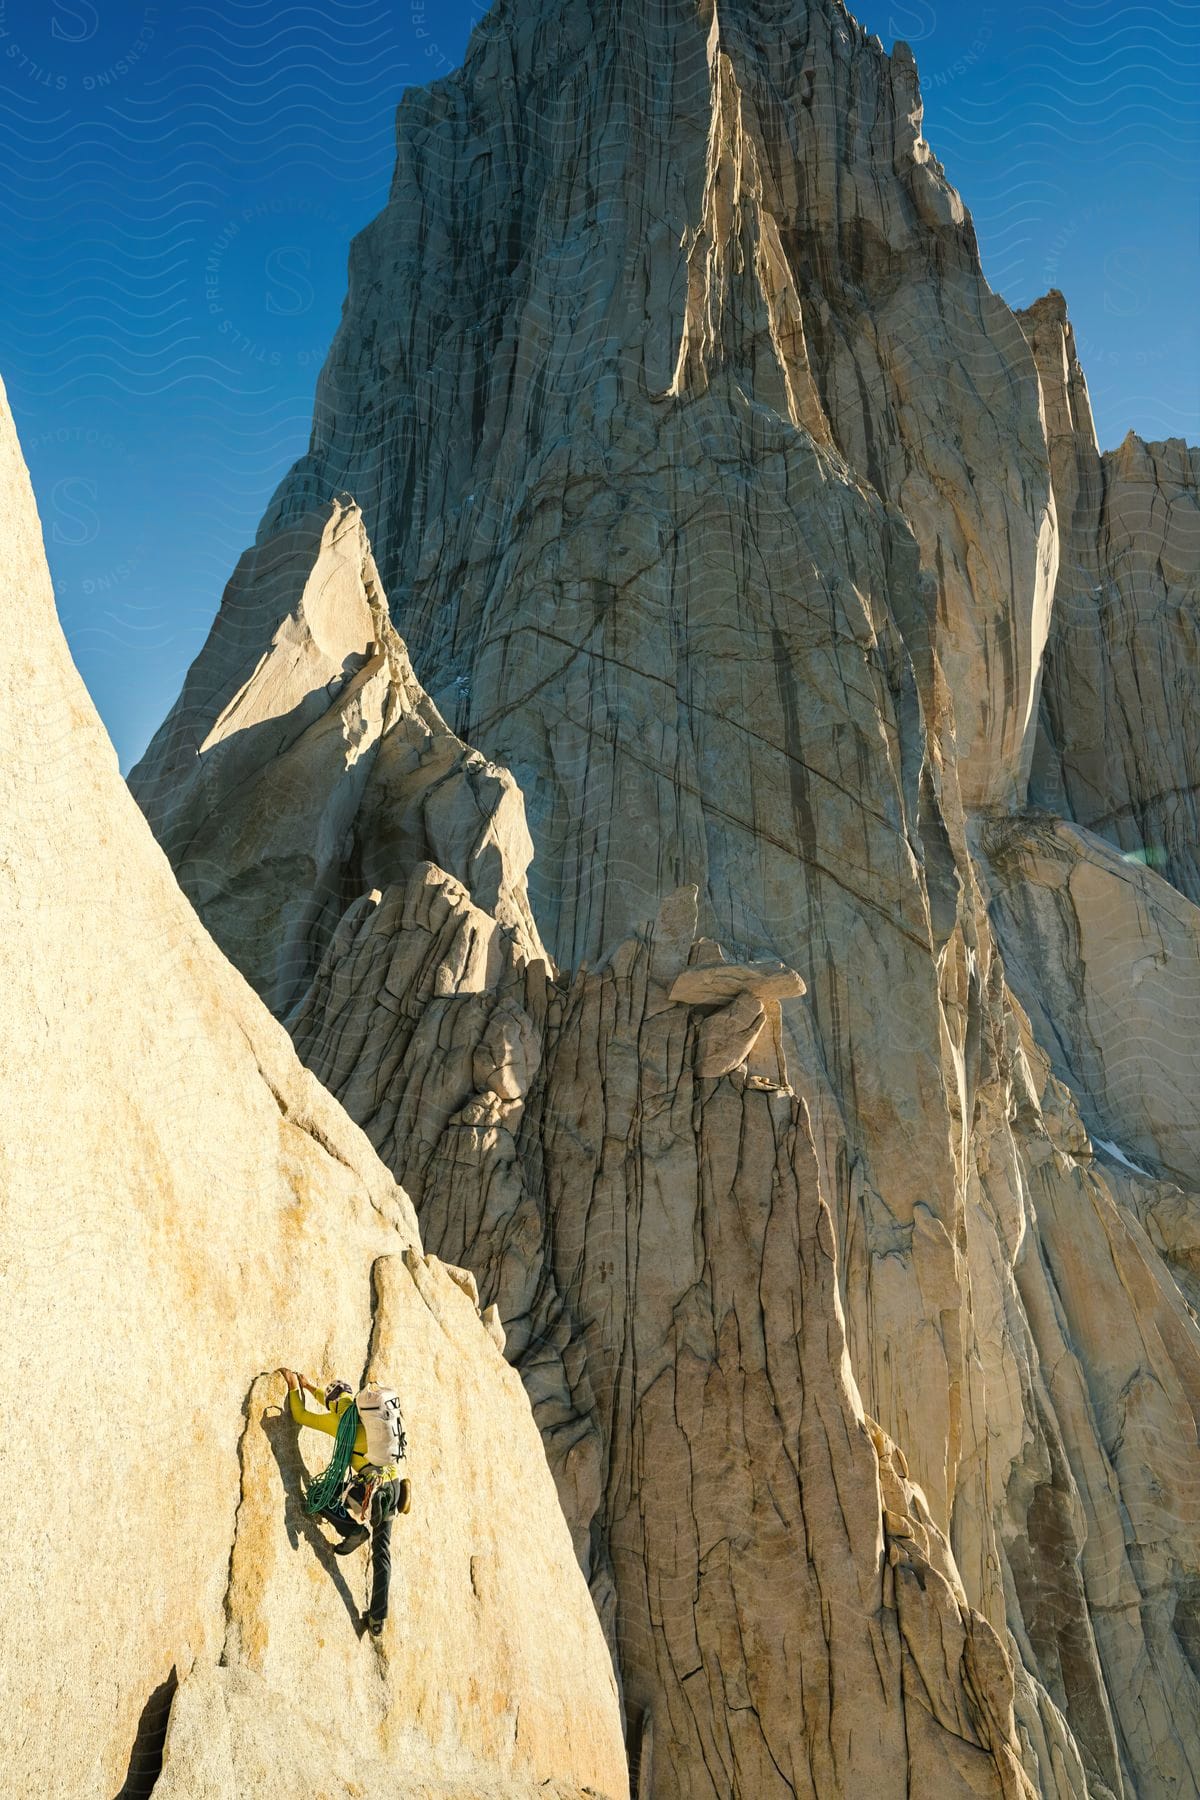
{"points": [[385, 1504]]}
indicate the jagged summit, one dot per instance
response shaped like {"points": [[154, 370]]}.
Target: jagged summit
{"points": [[517, 341]]}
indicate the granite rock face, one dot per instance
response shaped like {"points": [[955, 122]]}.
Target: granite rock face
{"points": [[723, 506], [303, 762], [183, 1209], [1124, 1037], [1119, 750], [787, 1615]]}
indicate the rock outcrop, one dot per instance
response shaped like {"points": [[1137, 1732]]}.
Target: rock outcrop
{"points": [[722, 506], [183, 1209], [1120, 745], [1106, 956], [787, 1615], [304, 763]]}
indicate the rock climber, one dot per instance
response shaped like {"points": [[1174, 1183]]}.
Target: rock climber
{"points": [[363, 1481]]}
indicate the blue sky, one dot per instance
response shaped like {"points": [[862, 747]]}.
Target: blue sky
{"points": [[181, 182]]}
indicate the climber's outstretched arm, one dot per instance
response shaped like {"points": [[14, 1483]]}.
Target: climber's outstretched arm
{"points": [[319, 1421]]}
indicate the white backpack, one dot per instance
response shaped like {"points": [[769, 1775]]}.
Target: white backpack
{"points": [[379, 1414]]}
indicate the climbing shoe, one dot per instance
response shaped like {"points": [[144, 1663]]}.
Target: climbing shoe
{"points": [[352, 1541]]}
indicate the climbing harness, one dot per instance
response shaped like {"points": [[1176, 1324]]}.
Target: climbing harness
{"points": [[361, 1507]]}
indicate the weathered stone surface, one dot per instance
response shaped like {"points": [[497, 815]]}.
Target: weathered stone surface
{"points": [[674, 1310], [1108, 1568], [183, 1208], [1061, 1536], [1106, 956], [303, 763], [714, 984], [722, 503], [725, 1040], [232, 1737], [562, 400], [1120, 745]]}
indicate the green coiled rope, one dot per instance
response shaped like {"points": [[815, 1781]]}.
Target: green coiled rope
{"points": [[327, 1486]]}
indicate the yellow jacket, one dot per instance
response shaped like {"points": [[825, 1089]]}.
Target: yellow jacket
{"points": [[327, 1420]]}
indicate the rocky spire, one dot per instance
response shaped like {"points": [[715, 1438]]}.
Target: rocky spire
{"points": [[720, 502]]}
